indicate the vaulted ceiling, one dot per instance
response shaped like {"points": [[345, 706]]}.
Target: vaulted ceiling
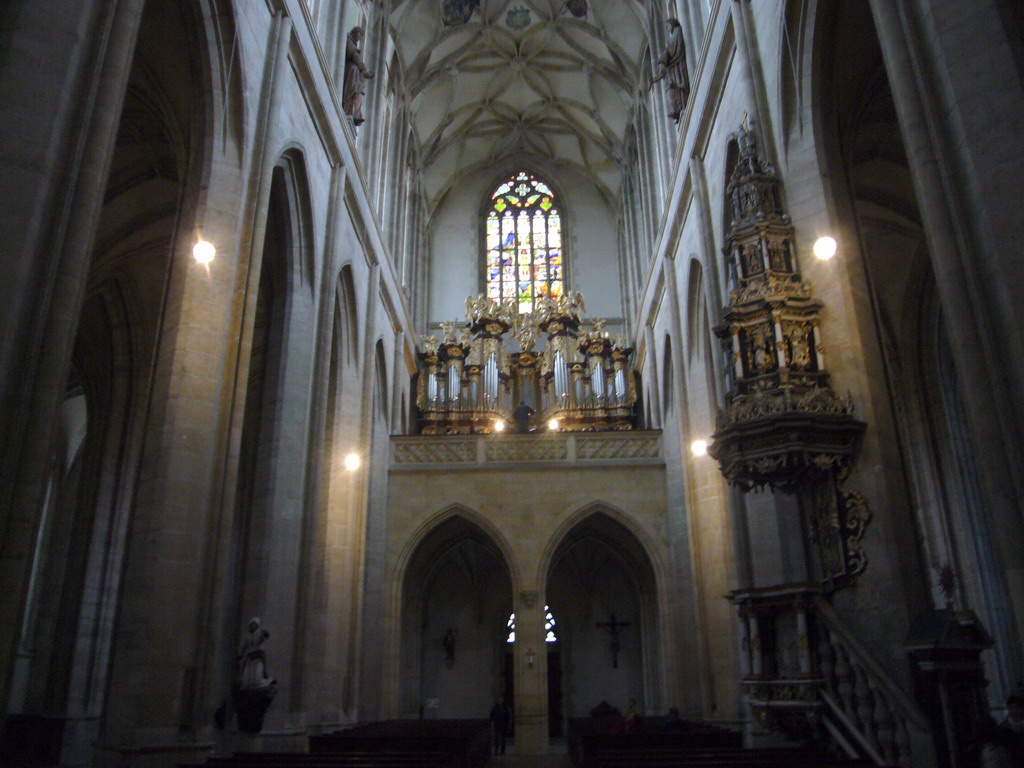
{"points": [[552, 79]]}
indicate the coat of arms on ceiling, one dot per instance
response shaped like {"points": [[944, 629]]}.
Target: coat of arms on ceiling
{"points": [[577, 8], [518, 18], [454, 12]]}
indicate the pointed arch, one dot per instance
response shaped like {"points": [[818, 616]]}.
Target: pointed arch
{"points": [[696, 312], [613, 513], [600, 571], [290, 199], [381, 383], [667, 377], [347, 315], [452, 590], [473, 517]]}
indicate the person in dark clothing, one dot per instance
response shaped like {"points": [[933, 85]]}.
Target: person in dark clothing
{"points": [[522, 415], [501, 716], [1010, 732], [673, 723]]}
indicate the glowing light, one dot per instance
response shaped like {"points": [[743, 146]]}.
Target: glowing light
{"points": [[499, 426], [825, 248], [699, 447], [352, 462], [204, 252], [553, 424]]}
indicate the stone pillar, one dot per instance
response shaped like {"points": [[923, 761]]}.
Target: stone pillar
{"points": [[963, 148], [531, 676], [62, 87]]}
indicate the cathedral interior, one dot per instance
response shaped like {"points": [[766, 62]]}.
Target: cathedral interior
{"points": [[570, 351]]}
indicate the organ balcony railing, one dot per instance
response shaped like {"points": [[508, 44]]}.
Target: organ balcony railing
{"points": [[581, 380]]}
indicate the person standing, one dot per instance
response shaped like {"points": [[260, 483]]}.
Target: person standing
{"points": [[522, 415], [501, 717], [1011, 730]]}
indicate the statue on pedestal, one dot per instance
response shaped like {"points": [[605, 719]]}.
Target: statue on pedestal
{"points": [[254, 690], [356, 75], [672, 68]]}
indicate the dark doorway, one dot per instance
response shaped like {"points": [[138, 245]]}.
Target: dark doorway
{"points": [[554, 691], [509, 687], [555, 714]]}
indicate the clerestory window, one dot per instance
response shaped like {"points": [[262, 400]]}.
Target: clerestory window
{"points": [[524, 258]]}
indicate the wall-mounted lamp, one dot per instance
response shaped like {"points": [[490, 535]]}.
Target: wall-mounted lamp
{"points": [[825, 248], [531, 658], [203, 252], [352, 462], [699, 447]]}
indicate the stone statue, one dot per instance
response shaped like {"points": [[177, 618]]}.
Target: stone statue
{"points": [[356, 75], [254, 691], [672, 68], [252, 659]]}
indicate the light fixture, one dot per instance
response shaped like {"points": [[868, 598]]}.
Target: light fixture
{"points": [[203, 251], [531, 658], [553, 424], [499, 426], [699, 447], [352, 462], [825, 248]]}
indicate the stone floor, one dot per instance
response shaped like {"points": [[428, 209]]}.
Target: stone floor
{"points": [[557, 758], [531, 761]]}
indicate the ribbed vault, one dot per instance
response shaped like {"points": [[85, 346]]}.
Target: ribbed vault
{"points": [[520, 78]]}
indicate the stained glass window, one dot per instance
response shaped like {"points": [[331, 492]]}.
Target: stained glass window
{"points": [[524, 258], [549, 627]]}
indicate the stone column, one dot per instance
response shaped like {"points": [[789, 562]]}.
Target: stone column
{"points": [[531, 676], [963, 148], [63, 89]]}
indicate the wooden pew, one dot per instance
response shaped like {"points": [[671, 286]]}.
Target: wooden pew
{"points": [[386, 744]]}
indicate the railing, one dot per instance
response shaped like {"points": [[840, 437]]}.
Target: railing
{"points": [[577, 448], [868, 713]]}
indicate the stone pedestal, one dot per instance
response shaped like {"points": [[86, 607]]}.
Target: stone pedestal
{"points": [[945, 648]]}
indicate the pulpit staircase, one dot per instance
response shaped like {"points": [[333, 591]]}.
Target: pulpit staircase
{"points": [[866, 712]]}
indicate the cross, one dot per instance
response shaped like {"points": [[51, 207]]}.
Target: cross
{"points": [[614, 627]]}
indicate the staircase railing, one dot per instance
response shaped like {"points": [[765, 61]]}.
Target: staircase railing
{"points": [[867, 710]]}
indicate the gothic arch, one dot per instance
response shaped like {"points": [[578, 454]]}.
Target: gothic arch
{"points": [[696, 313], [612, 512], [291, 184], [438, 519], [452, 593], [668, 389], [600, 570]]}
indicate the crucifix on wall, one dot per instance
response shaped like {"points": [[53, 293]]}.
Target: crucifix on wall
{"points": [[614, 628]]}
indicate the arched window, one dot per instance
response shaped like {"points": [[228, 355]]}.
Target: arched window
{"points": [[549, 627], [524, 258]]}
